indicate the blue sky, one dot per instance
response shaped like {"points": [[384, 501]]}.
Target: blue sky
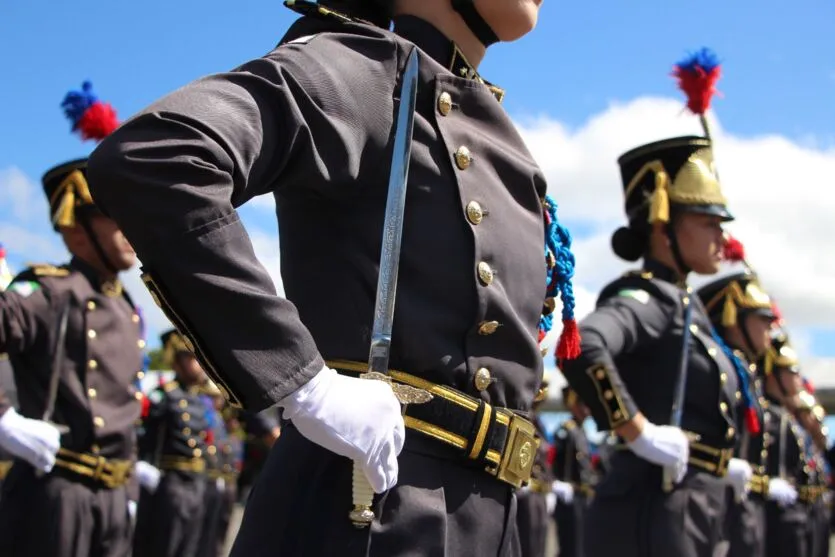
{"points": [[778, 60]]}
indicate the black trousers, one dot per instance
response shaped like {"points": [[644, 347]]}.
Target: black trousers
{"points": [[818, 529], [170, 520], [569, 519], [58, 516], [532, 520], [745, 525], [631, 516], [786, 530], [439, 508]]}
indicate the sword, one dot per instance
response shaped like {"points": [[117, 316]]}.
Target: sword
{"points": [[681, 384], [378, 358]]}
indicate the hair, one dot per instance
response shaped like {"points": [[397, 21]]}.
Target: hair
{"points": [[631, 243]]}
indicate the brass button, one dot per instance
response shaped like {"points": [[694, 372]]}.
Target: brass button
{"points": [[183, 403], [140, 343], [95, 449], [186, 431], [197, 453], [764, 453], [98, 421], [488, 327], [134, 318], [186, 417], [138, 395], [91, 305], [140, 374], [738, 395], [92, 364], [192, 443], [686, 300], [616, 414], [91, 392], [482, 378], [694, 328], [485, 273], [91, 334], [600, 374], [608, 394], [211, 449], [444, 103], [474, 213], [723, 407], [712, 352], [463, 158], [730, 433], [723, 377]]}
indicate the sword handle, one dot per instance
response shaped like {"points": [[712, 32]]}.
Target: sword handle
{"points": [[667, 481], [361, 515]]}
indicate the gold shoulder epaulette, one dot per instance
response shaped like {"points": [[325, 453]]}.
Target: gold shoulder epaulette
{"points": [[569, 424], [638, 273], [170, 386], [47, 270]]}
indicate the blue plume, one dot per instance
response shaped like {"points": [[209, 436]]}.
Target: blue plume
{"points": [[76, 103], [703, 58]]}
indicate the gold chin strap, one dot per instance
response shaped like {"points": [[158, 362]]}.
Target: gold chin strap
{"points": [[73, 191], [175, 345]]}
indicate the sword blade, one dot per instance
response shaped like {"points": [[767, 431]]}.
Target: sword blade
{"points": [[380, 349]]}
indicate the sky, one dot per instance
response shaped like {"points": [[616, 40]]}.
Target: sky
{"points": [[592, 81]]}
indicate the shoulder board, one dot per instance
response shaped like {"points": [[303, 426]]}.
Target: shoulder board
{"points": [[637, 294], [640, 273], [170, 386], [47, 270], [307, 8]]}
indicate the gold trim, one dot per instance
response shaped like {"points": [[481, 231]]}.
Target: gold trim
{"points": [[74, 192], [482, 431], [5, 467], [618, 415], [110, 473], [182, 463], [435, 431]]}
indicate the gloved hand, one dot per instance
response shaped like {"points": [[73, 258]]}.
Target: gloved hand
{"points": [[739, 476], [781, 491], [666, 446], [35, 441], [550, 502], [356, 418], [564, 491], [148, 475], [132, 512]]}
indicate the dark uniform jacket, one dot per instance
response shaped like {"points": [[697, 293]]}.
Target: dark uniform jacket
{"points": [[631, 359], [753, 447], [311, 123], [572, 463], [96, 397], [786, 452], [175, 429]]}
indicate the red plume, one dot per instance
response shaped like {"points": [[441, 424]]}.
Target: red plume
{"points": [[733, 250], [697, 76]]}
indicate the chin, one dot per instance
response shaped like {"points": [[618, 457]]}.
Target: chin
{"points": [[518, 22], [708, 268], [125, 261]]}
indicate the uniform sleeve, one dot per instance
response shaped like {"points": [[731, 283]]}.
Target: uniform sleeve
{"points": [[173, 176], [560, 451], [25, 308], [153, 422], [630, 319]]}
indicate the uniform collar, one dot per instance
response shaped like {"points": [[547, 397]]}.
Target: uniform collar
{"points": [[110, 288], [434, 43], [661, 271]]}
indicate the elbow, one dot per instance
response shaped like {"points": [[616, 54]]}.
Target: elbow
{"points": [[103, 170]]}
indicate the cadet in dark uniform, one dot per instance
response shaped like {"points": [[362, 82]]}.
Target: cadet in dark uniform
{"points": [[741, 313], [170, 516], [312, 124], [786, 519], [573, 467], [813, 482], [536, 500], [7, 386], [73, 337], [261, 431], [632, 354]]}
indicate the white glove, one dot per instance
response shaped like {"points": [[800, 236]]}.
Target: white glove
{"points": [[220, 484], [356, 418], [564, 491], [739, 476], [148, 475], [550, 502], [781, 491], [35, 441], [132, 511], [666, 446]]}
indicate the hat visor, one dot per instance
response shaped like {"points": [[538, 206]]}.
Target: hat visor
{"points": [[713, 209]]}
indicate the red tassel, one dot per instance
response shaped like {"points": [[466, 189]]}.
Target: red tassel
{"points": [[98, 122], [551, 456], [146, 407], [733, 250], [699, 85], [569, 345], [752, 421], [210, 437], [595, 461]]}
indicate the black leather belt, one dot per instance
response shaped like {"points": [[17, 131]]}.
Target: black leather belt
{"points": [[703, 457], [497, 438]]}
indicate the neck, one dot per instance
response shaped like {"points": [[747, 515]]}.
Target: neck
{"points": [[447, 21]]}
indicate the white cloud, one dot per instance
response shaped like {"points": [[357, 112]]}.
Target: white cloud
{"points": [[781, 193], [21, 194]]}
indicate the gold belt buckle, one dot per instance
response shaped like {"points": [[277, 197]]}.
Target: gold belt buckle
{"points": [[725, 456], [517, 461]]}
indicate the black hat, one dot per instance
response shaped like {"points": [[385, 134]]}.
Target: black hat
{"points": [[674, 174], [173, 343], [67, 192], [732, 296], [780, 354]]}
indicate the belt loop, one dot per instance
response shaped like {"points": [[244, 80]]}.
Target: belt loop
{"points": [[481, 426]]}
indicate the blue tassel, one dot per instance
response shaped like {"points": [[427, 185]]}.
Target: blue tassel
{"points": [[76, 103], [703, 58], [559, 271], [745, 386]]}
